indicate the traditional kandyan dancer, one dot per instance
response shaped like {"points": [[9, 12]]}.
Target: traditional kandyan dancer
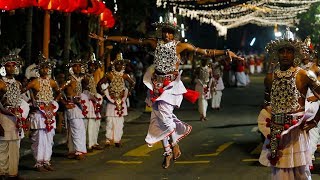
{"points": [[165, 87], [94, 103], [14, 111], [75, 111], [203, 86], [217, 85], [287, 148], [116, 93], [312, 102], [43, 121]]}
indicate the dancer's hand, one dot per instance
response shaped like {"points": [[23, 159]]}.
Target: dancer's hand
{"points": [[312, 99], [95, 36], [309, 125]]}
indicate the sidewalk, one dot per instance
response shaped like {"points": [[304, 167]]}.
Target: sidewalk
{"points": [[25, 145]]}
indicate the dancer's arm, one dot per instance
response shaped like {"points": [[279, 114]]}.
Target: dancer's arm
{"points": [[126, 40]]}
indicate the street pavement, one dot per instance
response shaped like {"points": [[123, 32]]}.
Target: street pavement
{"points": [[226, 147]]}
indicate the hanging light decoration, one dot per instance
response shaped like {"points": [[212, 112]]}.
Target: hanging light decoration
{"points": [[264, 12]]}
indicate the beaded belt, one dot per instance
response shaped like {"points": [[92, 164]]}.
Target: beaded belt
{"points": [[282, 118], [161, 78]]}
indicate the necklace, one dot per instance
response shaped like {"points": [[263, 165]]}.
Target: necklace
{"points": [[78, 89], [13, 92], [287, 73], [45, 93]]}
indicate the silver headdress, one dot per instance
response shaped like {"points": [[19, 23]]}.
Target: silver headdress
{"points": [[119, 59], [12, 57], [75, 61], [288, 40], [43, 61], [160, 26], [93, 60]]}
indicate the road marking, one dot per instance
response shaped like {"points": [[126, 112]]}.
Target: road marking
{"points": [[143, 150], [218, 151], [257, 150], [192, 162], [124, 162], [250, 160], [254, 129]]}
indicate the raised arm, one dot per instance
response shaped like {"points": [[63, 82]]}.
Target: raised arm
{"points": [[207, 52], [126, 40]]}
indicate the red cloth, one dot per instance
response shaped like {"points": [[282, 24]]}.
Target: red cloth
{"points": [[191, 95]]}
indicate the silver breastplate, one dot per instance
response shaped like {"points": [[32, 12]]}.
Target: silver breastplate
{"points": [[78, 89], [117, 84], [204, 74], [284, 93], [92, 85], [13, 92], [166, 56], [45, 93]]}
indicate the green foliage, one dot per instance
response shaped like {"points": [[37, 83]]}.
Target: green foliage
{"points": [[309, 24]]}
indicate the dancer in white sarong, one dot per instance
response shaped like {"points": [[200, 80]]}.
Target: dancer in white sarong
{"points": [[166, 90], [14, 111], [93, 104], [287, 148], [217, 85], [75, 112], [43, 121], [116, 93], [312, 102], [203, 86]]}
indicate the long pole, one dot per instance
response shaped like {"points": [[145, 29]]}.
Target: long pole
{"points": [[46, 34]]}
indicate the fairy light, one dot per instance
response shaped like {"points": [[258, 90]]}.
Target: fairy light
{"points": [[262, 13]]}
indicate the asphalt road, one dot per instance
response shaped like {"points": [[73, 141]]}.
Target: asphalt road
{"points": [[226, 147]]}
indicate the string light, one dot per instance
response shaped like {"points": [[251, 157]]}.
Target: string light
{"points": [[263, 13]]}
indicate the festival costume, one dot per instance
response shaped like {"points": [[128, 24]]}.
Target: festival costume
{"points": [[286, 148], [76, 128], [314, 133], [218, 87], [116, 93], [43, 121], [241, 77], [203, 86], [13, 120], [166, 93], [92, 119]]}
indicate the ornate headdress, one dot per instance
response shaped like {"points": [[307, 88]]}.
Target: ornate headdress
{"points": [[93, 60], [160, 26], [43, 61], [75, 61], [12, 57], [119, 59], [288, 41]]}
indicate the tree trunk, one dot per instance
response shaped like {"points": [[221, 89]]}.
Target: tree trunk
{"points": [[29, 36], [66, 49]]}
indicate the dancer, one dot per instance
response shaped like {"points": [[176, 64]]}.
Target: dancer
{"points": [[165, 86], [93, 104], [286, 149], [43, 121], [203, 86], [75, 112], [13, 114], [116, 93]]}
